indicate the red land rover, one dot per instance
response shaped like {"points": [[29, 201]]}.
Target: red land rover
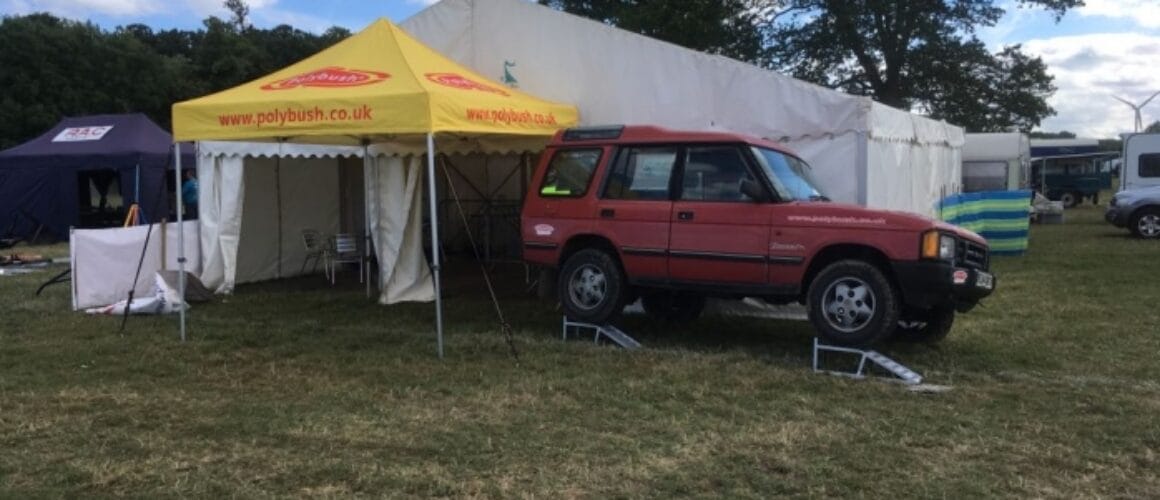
{"points": [[674, 217]]}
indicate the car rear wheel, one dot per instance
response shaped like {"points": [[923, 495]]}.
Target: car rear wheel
{"points": [[929, 326], [1069, 199], [673, 307], [591, 287], [1146, 223], [851, 303]]}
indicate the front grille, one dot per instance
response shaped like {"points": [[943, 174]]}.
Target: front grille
{"points": [[971, 255]]}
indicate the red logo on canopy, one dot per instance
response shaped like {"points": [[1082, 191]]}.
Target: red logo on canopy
{"points": [[334, 76], [458, 81]]}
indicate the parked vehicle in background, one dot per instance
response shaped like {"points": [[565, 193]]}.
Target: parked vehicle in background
{"points": [[1141, 161], [1069, 170], [996, 162], [674, 217], [1138, 210]]}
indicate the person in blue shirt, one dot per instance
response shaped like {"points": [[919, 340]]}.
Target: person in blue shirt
{"points": [[189, 195]]}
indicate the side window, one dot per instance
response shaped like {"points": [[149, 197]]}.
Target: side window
{"points": [[1150, 165], [642, 173], [570, 172], [714, 173]]}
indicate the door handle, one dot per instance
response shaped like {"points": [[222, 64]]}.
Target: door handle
{"points": [[685, 215], [607, 213]]}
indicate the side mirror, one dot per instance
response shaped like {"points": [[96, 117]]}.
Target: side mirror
{"points": [[752, 189]]}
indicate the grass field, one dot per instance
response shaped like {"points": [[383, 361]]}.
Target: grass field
{"points": [[298, 389]]}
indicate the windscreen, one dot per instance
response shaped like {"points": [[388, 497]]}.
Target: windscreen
{"points": [[790, 176]]}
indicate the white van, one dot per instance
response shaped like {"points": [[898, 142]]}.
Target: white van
{"points": [[1141, 161]]}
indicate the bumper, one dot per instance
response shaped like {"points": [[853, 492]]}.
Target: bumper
{"points": [[930, 284], [1116, 216]]}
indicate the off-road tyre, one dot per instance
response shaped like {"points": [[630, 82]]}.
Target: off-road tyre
{"points": [[591, 287], [852, 303]]}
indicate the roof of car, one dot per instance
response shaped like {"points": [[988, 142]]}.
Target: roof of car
{"points": [[654, 134]]}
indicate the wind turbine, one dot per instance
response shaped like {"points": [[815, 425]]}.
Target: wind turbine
{"points": [[1136, 108]]}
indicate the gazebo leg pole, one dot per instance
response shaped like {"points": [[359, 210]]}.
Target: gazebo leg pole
{"points": [[180, 236], [433, 205]]}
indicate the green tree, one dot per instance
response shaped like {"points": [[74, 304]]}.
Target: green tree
{"points": [[1153, 128], [919, 55], [69, 68], [726, 27], [240, 14]]}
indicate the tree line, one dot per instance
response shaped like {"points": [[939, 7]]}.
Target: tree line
{"points": [[51, 68], [918, 55]]}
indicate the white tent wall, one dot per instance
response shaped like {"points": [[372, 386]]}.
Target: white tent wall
{"points": [[614, 76], [242, 187], [283, 197], [104, 261]]}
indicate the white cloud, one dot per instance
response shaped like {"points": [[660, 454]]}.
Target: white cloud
{"points": [[1089, 70], [205, 8], [1145, 13], [422, 2], [73, 9]]}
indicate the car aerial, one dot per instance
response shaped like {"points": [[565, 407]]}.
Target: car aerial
{"points": [[1138, 210], [624, 212]]}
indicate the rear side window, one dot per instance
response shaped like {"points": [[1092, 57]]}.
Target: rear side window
{"points": [[570, 172], [642, 173], [1150, 165]]}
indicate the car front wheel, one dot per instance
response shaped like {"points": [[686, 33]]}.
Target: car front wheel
{"points": [[591, 287], [851, 303], [1146, 223]]}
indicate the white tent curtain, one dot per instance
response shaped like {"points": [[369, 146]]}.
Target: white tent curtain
{"points": [[221, 188], [396, 221]]}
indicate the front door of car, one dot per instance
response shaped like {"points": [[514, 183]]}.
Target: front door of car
{"points": [[635, 207], [719, 235]]}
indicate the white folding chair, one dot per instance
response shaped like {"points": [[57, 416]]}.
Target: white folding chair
{"points": [[344, 249], [315, 250]]}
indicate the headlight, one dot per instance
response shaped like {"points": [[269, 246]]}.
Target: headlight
{"points": [[936, 245]]}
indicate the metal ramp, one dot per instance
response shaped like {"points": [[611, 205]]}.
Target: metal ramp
{"points": [[903, 374], [608, 331]]}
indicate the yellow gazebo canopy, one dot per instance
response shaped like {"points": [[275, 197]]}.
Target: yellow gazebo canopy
{"points": [[379, 82]]}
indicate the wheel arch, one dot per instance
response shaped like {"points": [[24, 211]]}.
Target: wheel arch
{"points": [[846, 251], [581, 241]]}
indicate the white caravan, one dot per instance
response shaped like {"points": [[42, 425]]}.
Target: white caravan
{"points": [[996, 161], [1141, 167]]}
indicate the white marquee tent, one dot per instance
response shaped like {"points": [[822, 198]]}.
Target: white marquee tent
{"points": [[862, 151]]}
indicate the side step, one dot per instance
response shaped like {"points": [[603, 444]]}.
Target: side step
{"points": [[608, 331], [904, 374]]}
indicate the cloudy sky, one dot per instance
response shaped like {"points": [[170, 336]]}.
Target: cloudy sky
{"points": [[1108, 47]]}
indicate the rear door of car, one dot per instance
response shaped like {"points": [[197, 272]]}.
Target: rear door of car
{"points": [[635, 207]]}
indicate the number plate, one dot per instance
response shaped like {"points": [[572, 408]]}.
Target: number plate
{"points": [[984, 280]]}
